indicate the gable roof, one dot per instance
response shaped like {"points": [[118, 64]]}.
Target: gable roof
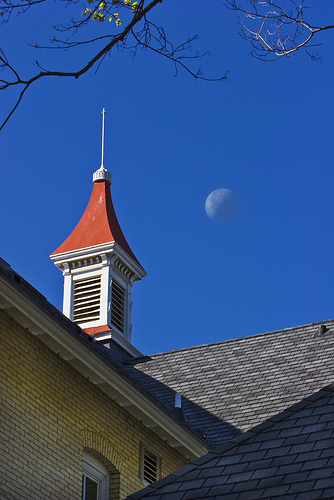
{"points": [[289, 456], [230, 386]]}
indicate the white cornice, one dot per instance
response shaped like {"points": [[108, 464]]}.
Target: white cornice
{"points": [[87, 362], [105, 248]]}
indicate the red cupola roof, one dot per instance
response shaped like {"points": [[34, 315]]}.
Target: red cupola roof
{"points": [[98, 224]]}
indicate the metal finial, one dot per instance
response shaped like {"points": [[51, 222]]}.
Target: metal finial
{"points": [[102, 155]]}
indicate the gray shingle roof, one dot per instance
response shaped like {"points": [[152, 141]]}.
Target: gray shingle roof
{"points": [[227, 387], [290, 456], [230, 386]]}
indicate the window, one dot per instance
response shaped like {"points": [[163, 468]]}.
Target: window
{"points": [[95, 480], [87, 294], [150, 465], [117, 306]]}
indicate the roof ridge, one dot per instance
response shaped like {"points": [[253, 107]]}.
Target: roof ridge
{"points": [[242, 338]]}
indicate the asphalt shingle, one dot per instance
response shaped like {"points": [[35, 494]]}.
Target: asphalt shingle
{"points": [[302, 473], [230, 386]]}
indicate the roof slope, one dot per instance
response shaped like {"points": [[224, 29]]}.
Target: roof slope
{"points": [[242, 382], [105, 355], [98, 224], [289, 456]]}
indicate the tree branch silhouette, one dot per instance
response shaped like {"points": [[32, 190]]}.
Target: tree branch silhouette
{"points": [[138, 33], [274, 31]]}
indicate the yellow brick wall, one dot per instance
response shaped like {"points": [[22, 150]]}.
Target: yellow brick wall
{"points": [[50, 414]]}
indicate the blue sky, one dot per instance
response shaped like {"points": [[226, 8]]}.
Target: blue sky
{"points": [[267, 133]]}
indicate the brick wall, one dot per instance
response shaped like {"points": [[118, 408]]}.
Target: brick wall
{"points": [[50, 414]]}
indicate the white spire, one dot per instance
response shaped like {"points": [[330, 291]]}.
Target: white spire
{"points": [[102, 173], [103, 113]]}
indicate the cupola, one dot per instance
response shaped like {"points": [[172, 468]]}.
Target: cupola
{"points": [[99, 268]]}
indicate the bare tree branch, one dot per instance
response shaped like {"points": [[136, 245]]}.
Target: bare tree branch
{"points": [[143, 33], [166, 49], [274, 31]]}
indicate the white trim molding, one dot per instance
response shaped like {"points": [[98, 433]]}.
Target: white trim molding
{"points": [[87, 361], [93, 471], [111, 263]]}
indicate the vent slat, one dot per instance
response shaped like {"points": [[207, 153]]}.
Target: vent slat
{"points": [[118, 312], [117, 306], [87, 294], [82, 286], [150, 471], [94, 298], [150, 467], [87, 284], [87, 320], [118, 293], [118, 325], [150, 460], [86, 304], [86, 310], [119, 300], [83, 291]]}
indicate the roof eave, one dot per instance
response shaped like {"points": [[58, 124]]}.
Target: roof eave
{"points": [[62, 341]]}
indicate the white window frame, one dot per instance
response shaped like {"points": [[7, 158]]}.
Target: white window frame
{"points": [[95, 471]]}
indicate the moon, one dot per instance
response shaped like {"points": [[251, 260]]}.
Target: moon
{"points": [[222, 205]]}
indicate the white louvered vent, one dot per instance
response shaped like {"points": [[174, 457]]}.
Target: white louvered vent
{"points": [[117, 306], [150, 467], [87, 294]]}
